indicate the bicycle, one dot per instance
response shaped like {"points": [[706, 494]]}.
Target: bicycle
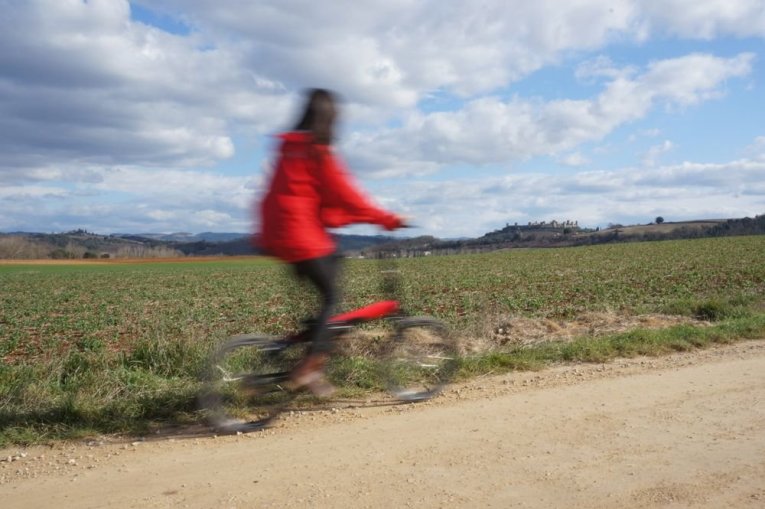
{"points": [[246, 384]]}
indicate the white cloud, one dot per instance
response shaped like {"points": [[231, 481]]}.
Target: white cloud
{"points": [[107, 122], [757, 149], [652, 154], [706, 19], [134, 199], [212, 218], [574, 159], [391, 52], [176, 201], [21, 193], [628, 195], [85, 83], [693, 78], [82, 83], [602, 67], [181, 188], [489, 130]]}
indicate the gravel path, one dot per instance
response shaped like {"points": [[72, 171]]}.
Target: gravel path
{"points": [[687, 430]]}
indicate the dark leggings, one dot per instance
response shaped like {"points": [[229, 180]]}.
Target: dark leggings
{"points": [[323, 274]]}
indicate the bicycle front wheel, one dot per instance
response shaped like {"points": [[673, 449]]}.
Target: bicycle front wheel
{"points": [[244, 384], [422, 359]]}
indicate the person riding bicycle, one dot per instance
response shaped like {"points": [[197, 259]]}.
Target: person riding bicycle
{"points": [[311, 191]]}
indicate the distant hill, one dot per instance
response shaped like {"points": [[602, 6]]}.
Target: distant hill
{"points": [[83, 244], [80, 244], [185, 237], [542, 235]]}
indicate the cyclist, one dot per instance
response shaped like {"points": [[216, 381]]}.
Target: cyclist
{"points": [[310, 191]]}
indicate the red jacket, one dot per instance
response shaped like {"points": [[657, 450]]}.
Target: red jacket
{"points": [[311, 191]]}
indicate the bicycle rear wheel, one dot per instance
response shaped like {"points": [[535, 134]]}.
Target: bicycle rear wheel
{"points": [[422, 359], [243, 386]]}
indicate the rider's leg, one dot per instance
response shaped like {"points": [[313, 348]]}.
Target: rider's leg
{"points": [[323, 274]]}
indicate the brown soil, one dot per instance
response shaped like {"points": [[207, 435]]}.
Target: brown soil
{"points": [[680, 431]]}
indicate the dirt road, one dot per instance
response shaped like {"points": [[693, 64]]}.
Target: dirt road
{"points": [[682, 431]]}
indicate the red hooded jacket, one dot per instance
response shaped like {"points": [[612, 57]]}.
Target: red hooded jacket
{"points": [[311, 191]]}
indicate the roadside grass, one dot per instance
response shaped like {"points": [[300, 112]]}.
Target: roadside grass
{"points": [[86, 396], [735, 320], [91, 350], [68, 405]]}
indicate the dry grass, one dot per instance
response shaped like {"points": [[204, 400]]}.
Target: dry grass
{"points": [[372, 342], [363, 342], [499, 332]]}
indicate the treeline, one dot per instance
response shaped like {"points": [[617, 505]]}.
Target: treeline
{"points": [[238, 247], [61, 247], [731, 227], [745, 226]]}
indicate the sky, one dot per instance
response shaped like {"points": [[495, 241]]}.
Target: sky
{"points": [[464, 116]]}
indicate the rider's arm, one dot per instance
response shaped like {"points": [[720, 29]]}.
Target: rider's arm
{"points": [[342, 202]]}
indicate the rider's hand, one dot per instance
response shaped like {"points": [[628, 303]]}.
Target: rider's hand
{"points": [[394, 222]]}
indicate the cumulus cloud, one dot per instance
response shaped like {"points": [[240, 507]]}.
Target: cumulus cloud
{"points": [[574, 159], [757, 149], [656, 151], [601, 67], [85, 83], [390, 52], [82, 83], [107, 122], [490, 130], [707, 19], [133, 199], [630, 195]]}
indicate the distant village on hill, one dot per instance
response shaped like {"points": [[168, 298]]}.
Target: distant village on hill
{"points": [[544, 225], [81, 244]]}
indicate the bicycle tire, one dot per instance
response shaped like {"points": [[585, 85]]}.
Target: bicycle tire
{"points": [[422, 359], [243, 388]]}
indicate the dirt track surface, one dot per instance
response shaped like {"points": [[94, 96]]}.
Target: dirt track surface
{"points": [[686, 430]]}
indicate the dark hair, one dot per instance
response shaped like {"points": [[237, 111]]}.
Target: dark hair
{"points": [[319, 115]]}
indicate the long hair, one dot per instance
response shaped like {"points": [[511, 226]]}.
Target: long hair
{"points": [[319, 115]]}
